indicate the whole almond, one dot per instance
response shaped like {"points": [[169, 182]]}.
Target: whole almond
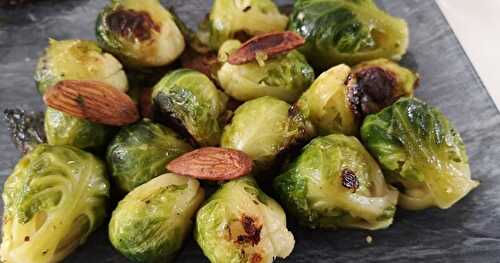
{"points": [[270, 44], [212, 163], [92, 100]]}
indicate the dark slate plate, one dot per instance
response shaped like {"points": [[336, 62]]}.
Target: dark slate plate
{"points": [[468, 232]]}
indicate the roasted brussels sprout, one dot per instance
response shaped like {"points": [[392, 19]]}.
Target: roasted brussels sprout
{"points": [[55, 197], [142, 33], [336, 183], [346, 31], [340, 98], [284, 77], [78, 60], [140, 153], [262, 128], [421, 151], [232, 18], [151, 222], [189, 97], [25, 128], [64, 129], [240, 223]]}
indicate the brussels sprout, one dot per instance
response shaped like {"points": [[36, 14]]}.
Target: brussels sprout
{"points": [[25, 128], [142, 33], [192, 99], [240, 223], [346, 31], [421, 151], [140, 153], [151, 222], [55, 197], [232, 18], [336, 183], [340, 98], [284, 77], [78, 60], [64, 129], [262, 128]]}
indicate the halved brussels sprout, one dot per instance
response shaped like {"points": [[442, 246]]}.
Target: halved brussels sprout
{"points": [[336, 183], [151, 222], [141, 151], [55, 197], [142, 33], [232, 18], [78, 60], [192, 99], [421, 151], [262, 128], [347, 31], [284, 77], [64, 129], [240, 223], [340, 98]]}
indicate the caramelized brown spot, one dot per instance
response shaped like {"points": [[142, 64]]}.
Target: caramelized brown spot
{"points": [[252, 231], [132, 24], [26, 238], [375, 89], [349, 180], [256, 258], [270, 44]]}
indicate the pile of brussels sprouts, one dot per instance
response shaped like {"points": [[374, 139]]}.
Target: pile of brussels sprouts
{"points": [[341, 150]]}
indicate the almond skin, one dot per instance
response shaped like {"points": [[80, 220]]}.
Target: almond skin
{"points": [[92, 100], [270, 44], [212, 163]]}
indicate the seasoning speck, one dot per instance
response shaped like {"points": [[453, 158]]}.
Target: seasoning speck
{"points": [[369, 239]]}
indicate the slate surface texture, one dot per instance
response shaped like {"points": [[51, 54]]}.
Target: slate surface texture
{"points": [[468, 232]]}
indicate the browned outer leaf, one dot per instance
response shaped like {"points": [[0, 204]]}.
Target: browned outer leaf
{"points": [[212, 163], [270, 44], [92, 100]]}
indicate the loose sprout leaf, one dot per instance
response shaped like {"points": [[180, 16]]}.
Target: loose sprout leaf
{"points": [[26, 128], [422, 151], [335, 183], [346, 31]]}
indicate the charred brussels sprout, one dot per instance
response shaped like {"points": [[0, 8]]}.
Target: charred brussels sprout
{"points": [[346, 31], [340, 98], [64, 129], [264, 127], [78, 60], [190, 98], [143, 33], [233, 18], [284, 77], [240, 223], [422, 151], [336, 183], [141, 151], [55, 197], [151, 222]]}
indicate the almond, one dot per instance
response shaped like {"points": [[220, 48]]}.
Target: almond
{"points": [[212, 163], [270, 44], [92, 100]]}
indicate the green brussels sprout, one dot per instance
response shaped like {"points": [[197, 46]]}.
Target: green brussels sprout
{"points": [[421, 151], [284, 77], [64, 129], [262, 128], [140, 152], [142, 33], [347, 31], [78, 60], [340, 98], [55, 197], [232, 18], [336, 183], [240, 223], [190, 98], [151, 222]]}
